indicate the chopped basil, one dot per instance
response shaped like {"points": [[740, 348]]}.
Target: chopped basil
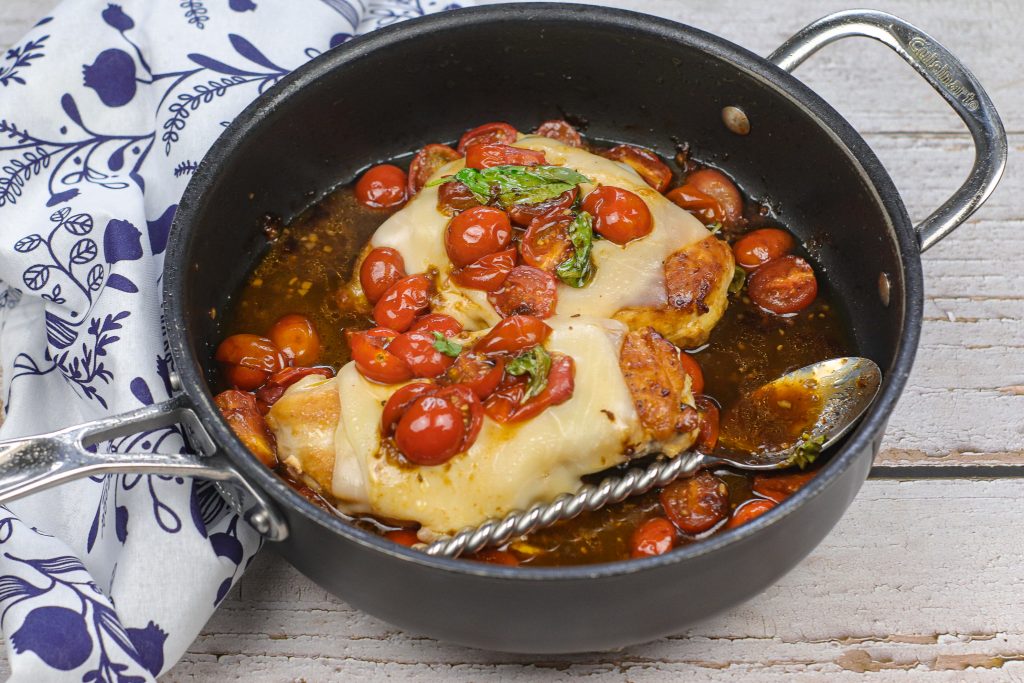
{"points": [[578, 269], [510, 185], [537, 364], [806, 450], [446, 346], [715, 228], [739, 278]]}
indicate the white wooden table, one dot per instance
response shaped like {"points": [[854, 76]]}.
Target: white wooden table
{"points": [[923, 577]]}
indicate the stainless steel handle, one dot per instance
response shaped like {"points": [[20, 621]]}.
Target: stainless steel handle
{"points": [[35, 463], [947, 75]]}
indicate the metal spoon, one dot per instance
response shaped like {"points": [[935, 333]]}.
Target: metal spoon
{"points": [[841, 391]]}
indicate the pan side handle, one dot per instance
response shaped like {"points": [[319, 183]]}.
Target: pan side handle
{"points": [[36, 463], [947, 75]]}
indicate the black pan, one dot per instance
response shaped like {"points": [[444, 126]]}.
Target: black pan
{"points": [[635, 78]]}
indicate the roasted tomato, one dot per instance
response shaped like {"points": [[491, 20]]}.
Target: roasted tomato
{"points": [[403, 301], [406, 537], [475, 233], [248, 360], [506, 404], [269, 393], [749, 510], [435, 427], [399, 401], [619, 215], [716, 184], [692, 368], [524, 214], [426, 162], [546, 242], [297, 338], [381, 268], [697, 504], [437, 322], [382, 187], [487, 273], [561, 130], [708, 420], [526, 291], [783, 285], [514, 334], [760, 246], [418, 351], [488, 133], [645, 162], [373, 360], [705, 207], [779, 487], [486, 156], [654, 374], [656, 536], [455, 196], [243, 416], [479, 372]]}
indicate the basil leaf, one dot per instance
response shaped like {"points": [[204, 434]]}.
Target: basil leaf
{"points": [[446, 346], [578, 269], [806, 450], [516, 184], [537, 364], [739, 278]]}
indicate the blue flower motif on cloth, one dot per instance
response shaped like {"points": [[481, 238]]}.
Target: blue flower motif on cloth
{"points": [[19, 58], [196, 13]]}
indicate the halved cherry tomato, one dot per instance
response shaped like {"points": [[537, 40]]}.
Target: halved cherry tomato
{"points": [[524, 214], [431, 430], [546, 242], [760, 246], [656, 536], [399, 401], [561, 130], [645, 162], [274, 389], [705, 207], [716, 184], [494, 556], [779, 487], [381, 268], [249, 360], [382, 187], [479, 372], [243, 416], [619, 215], [486, 156], [487, 273], [455, 196], [783, 285], [709, 419], [506, 404], [488, 133], [692, 368], [475, 233], [406, 537], [418, 351], [696, 504], [426, 162], [465, 399], [437, 322], [403, 301], [513, 334], [297, 338], [526, 291], [748, 511], [373, 360]]}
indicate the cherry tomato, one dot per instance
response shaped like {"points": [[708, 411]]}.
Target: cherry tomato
{"points": [[472, 411], [692, 368], [455, 196], [696, 504], [779, 487], [761, 246], [297, 338], [486, 156], [373, 360], [479, 372], [506, 404], [561, 130], [526, 291], [546, 242], [475, 233], [705, 207], [748, 511], [619, 215], [656, 536], [425, 164], [274, 389], [399, 401], [716, 184], [405, 300], [524, 214], [493, 556], [437, 322], [381, 268], [406, 537], [382, 187], [783, 285], [488, 133], [645, 162], [513, 334], [249, 360], [243, 416], [487, 273], [417, 350], [430, 432], [708, 415]]}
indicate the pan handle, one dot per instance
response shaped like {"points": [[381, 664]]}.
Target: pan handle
{"points": [[947, 75], [35, 463]]}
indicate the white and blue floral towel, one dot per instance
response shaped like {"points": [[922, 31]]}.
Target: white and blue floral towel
{"points": [[105, 111]]}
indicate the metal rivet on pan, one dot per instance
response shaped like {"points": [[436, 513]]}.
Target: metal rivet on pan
{"points": [[735, 119], [175, 381], [884, 287]]}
